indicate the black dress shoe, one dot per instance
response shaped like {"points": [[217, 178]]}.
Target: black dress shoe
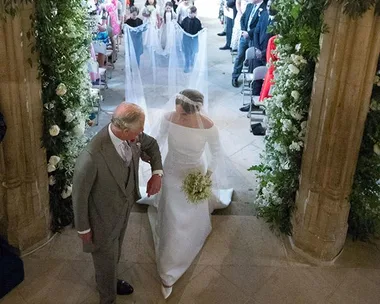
{"points": [[224, 48], [123, 288], [235, 82], [222, 34], [245, 108]]}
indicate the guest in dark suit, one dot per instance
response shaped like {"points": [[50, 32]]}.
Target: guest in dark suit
{"points": [[106, 186], [261, 35], [248, 23]]}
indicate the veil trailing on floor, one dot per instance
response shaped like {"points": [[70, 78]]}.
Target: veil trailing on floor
{"points": [[159, 64]]}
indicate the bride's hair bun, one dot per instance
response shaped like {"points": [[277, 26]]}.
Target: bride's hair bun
{"points": [[190, 100]]}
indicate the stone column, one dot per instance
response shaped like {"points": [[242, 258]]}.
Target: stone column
{"points": [[339, 106], [24, 200]]}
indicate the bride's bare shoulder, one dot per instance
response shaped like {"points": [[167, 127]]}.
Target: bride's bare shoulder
{"points": [[207, 122]]}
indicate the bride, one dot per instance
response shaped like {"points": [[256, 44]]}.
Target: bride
{"points": [[179, 227]]}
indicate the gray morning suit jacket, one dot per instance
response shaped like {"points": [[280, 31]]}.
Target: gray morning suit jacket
{"points": [[102, 192]]}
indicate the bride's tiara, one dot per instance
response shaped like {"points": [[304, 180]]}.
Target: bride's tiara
{"points": [[188, 100]]}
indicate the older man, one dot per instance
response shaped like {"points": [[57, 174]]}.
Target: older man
{"points": [[105, 187]]}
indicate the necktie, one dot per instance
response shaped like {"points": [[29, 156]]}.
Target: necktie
{"points": [[253, 11], [126, 152]]}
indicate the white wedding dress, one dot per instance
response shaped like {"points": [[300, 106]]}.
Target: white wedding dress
{"points": [[179, 227]]}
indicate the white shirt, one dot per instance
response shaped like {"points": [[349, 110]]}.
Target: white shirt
{"points": [[118, 144]]}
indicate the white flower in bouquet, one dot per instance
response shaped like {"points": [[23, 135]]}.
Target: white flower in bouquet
{"points": [[54, 130], [52, 180], [61, 89], [54, 160], [67, 192], [376, 148], [293, 69], [298, 47], [79, 128], [51, 168], [197, 187], [295, 94]]}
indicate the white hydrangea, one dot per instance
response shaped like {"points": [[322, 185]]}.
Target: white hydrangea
{"points": [[69, 115], [80, 128], [296, 146]]}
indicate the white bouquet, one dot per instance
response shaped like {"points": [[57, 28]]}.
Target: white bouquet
{"points": [[197, 187]]}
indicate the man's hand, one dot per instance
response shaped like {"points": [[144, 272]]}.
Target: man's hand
{"points": [[154, 185], [245, 34], [86, 238]]}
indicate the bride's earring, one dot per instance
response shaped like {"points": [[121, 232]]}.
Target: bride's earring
{"points": [[166, 291]]}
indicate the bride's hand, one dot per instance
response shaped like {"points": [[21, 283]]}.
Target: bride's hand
{"points": [[154, 185]]}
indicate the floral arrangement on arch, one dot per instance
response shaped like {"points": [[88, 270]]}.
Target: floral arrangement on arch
{"points": [[364, 217], [298, 27], [63, 41]]}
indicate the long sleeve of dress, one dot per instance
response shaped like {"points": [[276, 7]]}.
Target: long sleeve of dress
{"points": [[215, 149]]}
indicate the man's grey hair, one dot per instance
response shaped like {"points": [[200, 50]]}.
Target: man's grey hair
{"points": [[131, 120]]}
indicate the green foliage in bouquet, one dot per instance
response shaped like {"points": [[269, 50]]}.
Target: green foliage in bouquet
{"points": [[63, 41], [197, 187], [298, 26], [364, 218]]}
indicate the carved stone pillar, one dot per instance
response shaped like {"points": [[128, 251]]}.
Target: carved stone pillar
{"points": [[24, 200], [340, 101]]}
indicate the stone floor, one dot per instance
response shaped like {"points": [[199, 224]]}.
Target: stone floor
{"points": [[242, 262]]}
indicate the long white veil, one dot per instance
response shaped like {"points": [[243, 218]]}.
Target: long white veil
{"points": [[157, 69]]}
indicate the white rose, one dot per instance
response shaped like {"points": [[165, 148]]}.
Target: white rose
{"points": [[295, 114], [298, 47], [376, 149], [54, 160], [61, 89], [52, 180], [295, 95], [51, 168], [67, 192], [54, 130], [79, 128], [292, 68]]}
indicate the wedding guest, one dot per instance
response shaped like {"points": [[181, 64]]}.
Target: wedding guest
{"points": [[191, 25], [248, 23], [229, 16]]}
